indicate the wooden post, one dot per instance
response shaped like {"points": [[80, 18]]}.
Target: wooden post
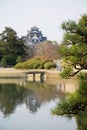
{"points": [[42, 77], [33, 77]]}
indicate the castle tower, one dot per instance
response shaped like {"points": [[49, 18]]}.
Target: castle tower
{"points": [[34, 36]]}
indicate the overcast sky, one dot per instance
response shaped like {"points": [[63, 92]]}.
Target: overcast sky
{"points": [[48, 15]]}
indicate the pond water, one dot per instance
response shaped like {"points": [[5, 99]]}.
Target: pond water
{"points": [[27, 106]]}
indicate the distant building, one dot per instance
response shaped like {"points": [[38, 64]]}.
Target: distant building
{"points": [[34, 36]]}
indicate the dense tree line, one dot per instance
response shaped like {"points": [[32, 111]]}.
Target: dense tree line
{"points": [[11, 47]]}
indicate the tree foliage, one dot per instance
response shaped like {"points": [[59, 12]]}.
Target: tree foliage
{"points": [[46, 50], [3, 62], [74, 103], [11, 46], [74, 47], [74, 54]]}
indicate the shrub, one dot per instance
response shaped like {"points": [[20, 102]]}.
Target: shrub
{"points": [[33, 63], [44, 62], [49, 65], [28, 65], [66, 72], [36, 63], [19, 65], [82, 76], [19, 59]]}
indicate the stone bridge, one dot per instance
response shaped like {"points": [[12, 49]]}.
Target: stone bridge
{"points": [[34, 75]]}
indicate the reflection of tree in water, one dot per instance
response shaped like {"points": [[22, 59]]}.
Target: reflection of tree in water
{"points": [[38, 93], [81, 119], [33, 95], [45, 92], [10, 96]]}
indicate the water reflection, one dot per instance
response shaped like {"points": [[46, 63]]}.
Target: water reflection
{"points": [[32, 94], [75, 105], [27, 105], [10, 96]]}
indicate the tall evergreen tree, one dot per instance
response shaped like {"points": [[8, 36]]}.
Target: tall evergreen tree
{"points": [[74, 47]]}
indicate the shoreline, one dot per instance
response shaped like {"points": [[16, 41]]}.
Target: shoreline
{"points": [[19, 73]]}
